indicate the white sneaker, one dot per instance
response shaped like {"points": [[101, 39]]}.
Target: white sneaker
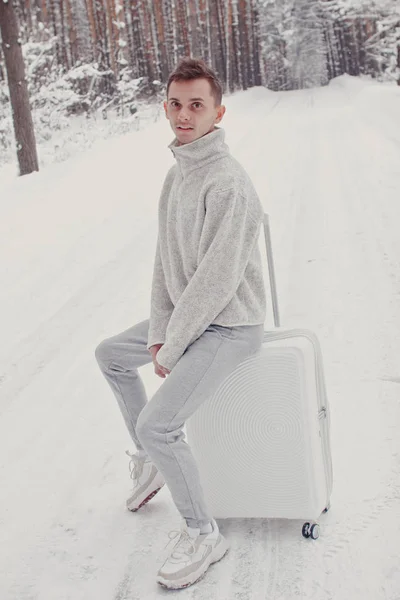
{"points": [[147, 481], [191, 556]]}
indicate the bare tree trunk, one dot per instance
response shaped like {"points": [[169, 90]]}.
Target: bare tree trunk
{"points": [[120, 36], [204, 18], [103, 46], [236, 54], [140, 66], [53, 19], [111, 19], [2, 71], [162, 44], [229, 70], [144, 40], [153, 19], [170, 33], [217, 57], [222, 40], [64, 50], [244, 47], [80, 31], [398, 64], [192, 23], [184, 45], [91, 12], [73, 42], [255, 35], [145, 27], [21, 112]]}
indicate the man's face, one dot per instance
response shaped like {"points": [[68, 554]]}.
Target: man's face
{"points": [[191, 109]]}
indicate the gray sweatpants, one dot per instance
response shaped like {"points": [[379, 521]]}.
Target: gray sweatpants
{"points": [[156, 425]]}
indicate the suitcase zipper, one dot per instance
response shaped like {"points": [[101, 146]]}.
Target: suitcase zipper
{"points": [[322, 413]]}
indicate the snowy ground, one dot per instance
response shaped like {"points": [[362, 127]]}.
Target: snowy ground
{"points": [[77, 246]]}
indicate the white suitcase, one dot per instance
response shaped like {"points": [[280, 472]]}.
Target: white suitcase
{"points": [[262, 440]]}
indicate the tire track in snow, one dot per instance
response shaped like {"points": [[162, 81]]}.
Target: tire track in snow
{"points": [[249, 571], [373, 286], [33, 354], [359, 523]]}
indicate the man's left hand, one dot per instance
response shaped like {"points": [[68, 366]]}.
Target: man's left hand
{"points": [[164, 369]]}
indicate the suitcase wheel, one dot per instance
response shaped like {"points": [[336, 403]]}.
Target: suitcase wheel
{"points": [[311, 531]]}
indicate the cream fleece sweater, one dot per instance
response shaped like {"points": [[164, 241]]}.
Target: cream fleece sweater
{"points": [[207, 267]]}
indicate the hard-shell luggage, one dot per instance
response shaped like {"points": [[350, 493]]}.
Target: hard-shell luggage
{"points": [[262, 440]]}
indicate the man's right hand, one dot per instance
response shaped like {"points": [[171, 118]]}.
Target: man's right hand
{"points": [[154, 351]]}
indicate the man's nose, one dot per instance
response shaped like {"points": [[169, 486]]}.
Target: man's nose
{"points": [[183, 115]]}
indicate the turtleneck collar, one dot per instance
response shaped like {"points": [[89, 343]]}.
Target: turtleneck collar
{"points": [[200, 152]]}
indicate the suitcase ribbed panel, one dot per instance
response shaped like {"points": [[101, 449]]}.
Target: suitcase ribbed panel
{"points": [[257, 440]]}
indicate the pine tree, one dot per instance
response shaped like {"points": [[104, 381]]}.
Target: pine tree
{"points": [[205, 29], [21, 112], [193, 28], [162, 42]]}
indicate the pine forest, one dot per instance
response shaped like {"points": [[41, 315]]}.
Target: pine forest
{"points": [[86, 57]]}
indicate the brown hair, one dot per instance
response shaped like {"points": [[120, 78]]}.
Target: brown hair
{"points": [[195, 68]]}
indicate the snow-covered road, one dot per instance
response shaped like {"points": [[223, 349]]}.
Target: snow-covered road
{"points": [[76, 253]]}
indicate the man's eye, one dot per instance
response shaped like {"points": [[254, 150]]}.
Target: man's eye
{"points": [[197, 104]]}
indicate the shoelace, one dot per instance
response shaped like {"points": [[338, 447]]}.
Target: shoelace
{"points": [[185, 545], [135, 465]]}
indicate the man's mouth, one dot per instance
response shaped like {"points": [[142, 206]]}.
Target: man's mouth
{"points": [[184, 128]]}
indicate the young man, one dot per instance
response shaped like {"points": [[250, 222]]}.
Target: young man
{"points": [[207, 314]]}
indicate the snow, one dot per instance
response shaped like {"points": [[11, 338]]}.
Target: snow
{"points": [[77, 244]]}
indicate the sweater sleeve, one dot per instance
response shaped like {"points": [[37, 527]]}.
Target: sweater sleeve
{"points": [[228, 237], [161, 304]]}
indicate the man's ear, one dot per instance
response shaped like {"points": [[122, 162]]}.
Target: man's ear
{"points": [[165, 109], [220, 113]]}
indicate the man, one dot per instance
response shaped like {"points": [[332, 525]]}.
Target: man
{"points": [[207, 314]]}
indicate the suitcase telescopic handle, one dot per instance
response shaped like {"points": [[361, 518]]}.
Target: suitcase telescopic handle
{"points": [[271, 270]]}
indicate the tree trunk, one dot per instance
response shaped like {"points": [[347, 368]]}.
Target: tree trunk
{"points": [[162, 45], [63, 42], [255, 34], [236, 54], [145, 27], [398, 64], [53, 19], [222, 41], [171, 42], [103, 47], [140, 67], [243, 43], [193, 28], [184, 45], [216, 56], [229, 70], [205, 35], [73, 42], [120, 36], [21, 112], [92, 24], [128, 33], [112, 38]]}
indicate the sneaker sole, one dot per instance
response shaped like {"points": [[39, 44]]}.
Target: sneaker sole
{"points": [[146, 500], [170, 585]]}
